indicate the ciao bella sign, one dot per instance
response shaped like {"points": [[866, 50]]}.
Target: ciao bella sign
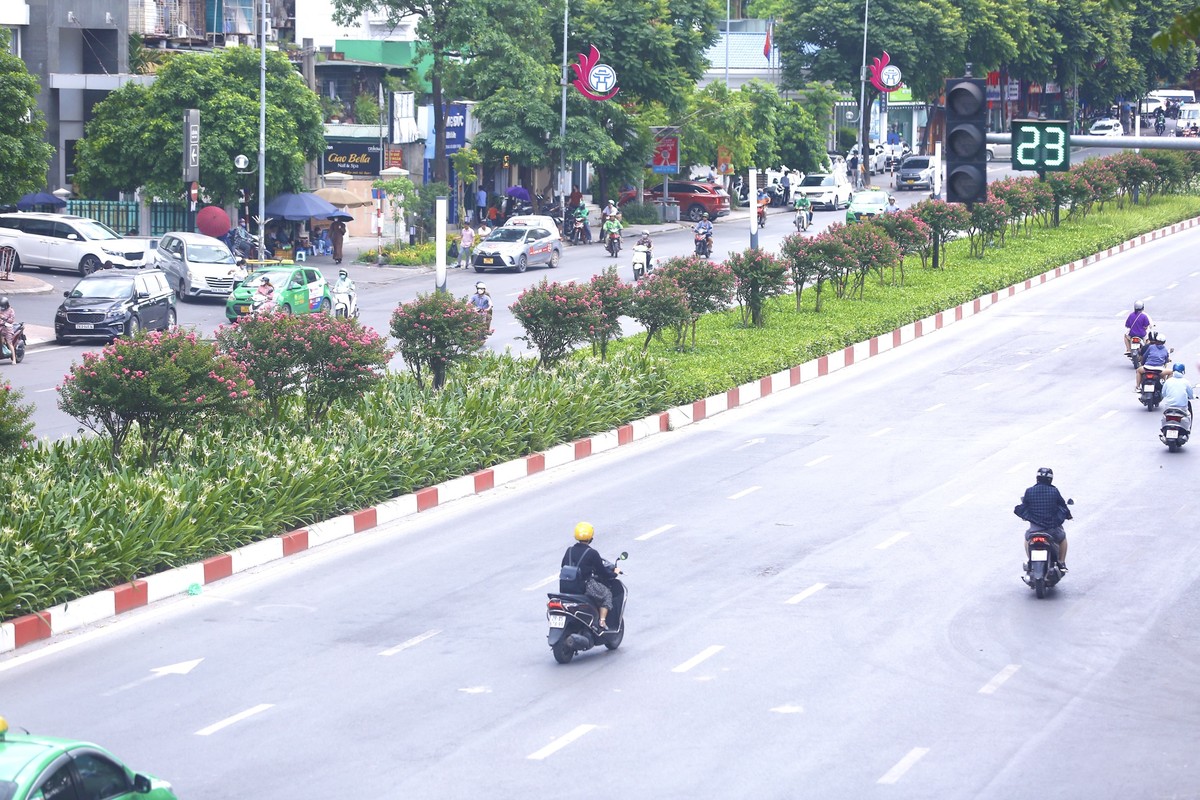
{"points": [[352, 158]]}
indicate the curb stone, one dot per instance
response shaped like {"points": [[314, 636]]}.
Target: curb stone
{"points": [[31, 628]]}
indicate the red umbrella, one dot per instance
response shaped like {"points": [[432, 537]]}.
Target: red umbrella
{"points": [[213, 221]]}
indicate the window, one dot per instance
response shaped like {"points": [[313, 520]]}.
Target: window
{"points": [[36, 227], [312, 276], [59, 785], [100, 778], [61, 230]]}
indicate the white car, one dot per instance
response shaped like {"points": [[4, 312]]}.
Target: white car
{"points": [[1106, 127], [517, 246], [67, 241], [827, 189], [198, 265]]}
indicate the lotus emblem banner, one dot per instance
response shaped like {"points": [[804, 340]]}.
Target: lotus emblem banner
{"points": [[594, 80], [885, 76]]}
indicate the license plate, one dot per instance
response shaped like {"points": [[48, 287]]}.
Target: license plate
{"points": [[489, 261], [558, 621], [243, 309], [1172, 434], [1040, 555], [84, 326]]}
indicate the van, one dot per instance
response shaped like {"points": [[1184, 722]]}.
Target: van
{"points": [[1178, 95], [67, 241], [1189, 115]]}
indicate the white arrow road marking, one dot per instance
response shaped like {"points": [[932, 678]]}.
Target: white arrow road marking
{"points": [[704, 654], [880, 432], [809, 592], [561, 742], [816, 461], [182, 668], [886, 543], [541, 583], [1107, 414], [991, 686], [904, 765], [241, 715], [788, 709], [749, 443], [653, 533], [416, 640], [744, 492]]}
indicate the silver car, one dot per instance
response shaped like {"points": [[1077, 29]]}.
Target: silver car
{"points": [[916, 172], [198, 265], [517, 247]]}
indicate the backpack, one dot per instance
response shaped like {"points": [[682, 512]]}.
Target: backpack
{"points": [[454, 249], [569, 576]]}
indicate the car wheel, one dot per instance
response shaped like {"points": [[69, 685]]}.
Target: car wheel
{"points": [[172, 320], [324, 306], [285, 309], [88, 265], [990, 155], [522, 263], [695, 212], [554, 258], [133, 326], [16, 262], [180, 291]]}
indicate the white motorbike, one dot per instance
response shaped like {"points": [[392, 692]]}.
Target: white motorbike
{"points": [[642, 263], [345, 304]]}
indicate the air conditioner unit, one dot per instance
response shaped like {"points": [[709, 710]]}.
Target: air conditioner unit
{"points": [[272, 35], [181, 31]]}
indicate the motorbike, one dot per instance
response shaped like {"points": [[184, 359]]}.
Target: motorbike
{"points": [[778, 196], [577, 232], [1159, 127], [703, 244], [575, 620], [345, 304], [1043, 571], [613, 244], [742, 190], [1151, 393], [262, 304], [641, 262], [18, 345], [1176, 428], [1135, 351], [762, 215], [803, 219]]}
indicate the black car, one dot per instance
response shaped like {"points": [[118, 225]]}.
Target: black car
{"points": [[112, 302]]}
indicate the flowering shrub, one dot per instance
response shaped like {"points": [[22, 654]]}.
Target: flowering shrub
{"points": [[164, 384], [817, 260], [1071, 190], [909, 233], [872, 250], [988, 220], [556, 317], [614, 300], [759, 275], [1133, 172], [659, 303], [1102, 180], [16, 425], [1172, 170], [709, 286], [943, 220], [436, 330], [1018, 199], [321, 359]]}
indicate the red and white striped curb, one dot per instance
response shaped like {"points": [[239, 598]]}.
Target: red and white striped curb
{"points": [[143, 591]]}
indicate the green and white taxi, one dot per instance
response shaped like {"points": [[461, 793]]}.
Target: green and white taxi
{"points": [[298, 290]]}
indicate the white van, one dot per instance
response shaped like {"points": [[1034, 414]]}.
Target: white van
{"points": [[1189, 115], [1178, 95], [67, 241]]}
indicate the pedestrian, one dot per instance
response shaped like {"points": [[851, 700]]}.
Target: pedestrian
{"points": [[465, 246], [337, 232], [480, 204], [786, 183], [852, 169], [574, 199]]}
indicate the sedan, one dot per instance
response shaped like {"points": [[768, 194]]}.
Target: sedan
{"points": [[298, 290], [518, 246], [1106, 127], [830, 190], [39, 767], [865, 204]]}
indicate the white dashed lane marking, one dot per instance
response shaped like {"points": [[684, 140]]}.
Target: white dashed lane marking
{"points": [[561, 742], [541, 583], [904, 765], [653, 533], [809, 592], [991, 686], [816, 461], [935, 407], [241, 715], [891, 540], [1107, 414], [703, 655], [413, 642], [962, 500], [744, 492], [880, 432]]}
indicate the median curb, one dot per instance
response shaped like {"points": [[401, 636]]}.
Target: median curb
{"points": [[33, 628]]}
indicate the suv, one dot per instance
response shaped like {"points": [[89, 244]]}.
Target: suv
{"points": [[111, 302], [916, 172], [694, 198], [67, 241]]}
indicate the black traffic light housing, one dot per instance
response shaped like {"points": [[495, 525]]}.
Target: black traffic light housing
{"points": [[966, 140]]}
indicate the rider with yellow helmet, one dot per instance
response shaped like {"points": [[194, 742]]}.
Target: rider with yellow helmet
{"points": [[591, 567]]}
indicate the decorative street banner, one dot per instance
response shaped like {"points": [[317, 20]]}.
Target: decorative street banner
{"points": [[594, 80], [885, 76], [666, 155]]}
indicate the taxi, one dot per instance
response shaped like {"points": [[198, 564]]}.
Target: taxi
{"points": [[522, 241], [299, 289]]}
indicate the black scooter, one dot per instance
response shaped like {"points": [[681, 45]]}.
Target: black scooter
{"points": [[575, 620], [18, 345], [1043, 571], [1176, 428], [1151, 393], [703, 244]]}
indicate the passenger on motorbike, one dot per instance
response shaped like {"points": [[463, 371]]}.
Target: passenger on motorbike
{"points": [[611, 227], [8, 327], [591, 570], [610, 211], [803, 205], [1176, 391], [1043, 507], [1136, 324], [1155, 356], [264, 298], [581, 214]]}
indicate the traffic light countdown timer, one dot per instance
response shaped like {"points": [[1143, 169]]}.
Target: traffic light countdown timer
{"points": [[1041, 145], [966, 142]]}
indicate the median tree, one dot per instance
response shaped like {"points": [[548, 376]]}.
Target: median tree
{"points": [[23, 149], [435, 331]]}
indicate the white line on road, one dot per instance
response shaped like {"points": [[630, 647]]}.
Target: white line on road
{"points": [[809, 592], [1096, 329], [225, 723], [182, 668], [541, 583], [983, 385], [1026, 365], [903, 765], [749, 443], [1173, 285], [1194, 274], [416, 640], [788, 709], [880, 432], [653, 533], [816, 461], [40, 391], [1016, 467], [1108, 414], [991, 686], [561, 742], [1122, 313], [703, 655], [886, 543], [962, 499], [935, 407], [744, 492], [1147, 298], [57, 347], [1066, 438]]}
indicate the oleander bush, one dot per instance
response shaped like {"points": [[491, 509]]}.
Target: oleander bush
{"points": [[435, 331], [16, 421]]}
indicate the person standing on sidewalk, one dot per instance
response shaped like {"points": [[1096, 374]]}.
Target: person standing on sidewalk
{"points": [[337, 232], [465, 245], [480, 204]]}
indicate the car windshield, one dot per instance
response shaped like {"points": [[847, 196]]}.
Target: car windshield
{"points": [[915, 163], [871, 198], [278, 277], [507, 235], [209, 254], [112, 288], [96, 231], [818, 180]]}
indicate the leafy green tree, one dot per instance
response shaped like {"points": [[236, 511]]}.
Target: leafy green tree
{"points": [[760, 275], [435, 331], [556, 317], [659, 304], [614, 300], [136, 137], [401, 199], [23, 149]]}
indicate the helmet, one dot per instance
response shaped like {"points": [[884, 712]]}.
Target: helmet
{"points": [[1045, 475], [584, 532], [342, 272], [1139, 305], [1180, 368], [480, 286], [4, 303], [704, 215], [265, 281]]}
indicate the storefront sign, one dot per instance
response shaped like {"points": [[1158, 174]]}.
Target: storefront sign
{"points": [[456, 128], [353, 158]]}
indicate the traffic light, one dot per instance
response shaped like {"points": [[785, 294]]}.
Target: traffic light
{"points": [[966, 142]]}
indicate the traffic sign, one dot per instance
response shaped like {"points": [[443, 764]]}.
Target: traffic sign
{"points": [[191, 145], [666, 155], [1041, 145]]}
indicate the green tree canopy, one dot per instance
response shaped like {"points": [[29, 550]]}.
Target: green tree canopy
{"points": [[24, 154], [136, 137]]}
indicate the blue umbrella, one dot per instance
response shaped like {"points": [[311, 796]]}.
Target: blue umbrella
{"points": [[32, 201], [299, 207]]}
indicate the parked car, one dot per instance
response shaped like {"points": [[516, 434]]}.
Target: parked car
{"points": [[112, 302], [694, 198], [916, 172], [826, 189], [42, 767], [298, 290], [198, 265], [876, 158], [999, 151], [67, 241], [867, 203], [517, 246], [1106, 127]]}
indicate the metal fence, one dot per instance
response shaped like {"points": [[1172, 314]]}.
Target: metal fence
{"points": [[168, 217], [124, 216]]}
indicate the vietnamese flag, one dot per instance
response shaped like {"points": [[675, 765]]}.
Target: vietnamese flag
{"points": [[767, 44]]}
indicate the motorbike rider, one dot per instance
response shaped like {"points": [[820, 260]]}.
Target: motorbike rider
{"points": [[592, 569], [764, 200], [481, 300], [264, 298], [8, 327], [612, 226], [1043, 507], [345, 286], [704, 229], [1155, 356], [581, 213], [1176, 391], [645, 241], [803, 205], [1136, 324], [891, 207]]}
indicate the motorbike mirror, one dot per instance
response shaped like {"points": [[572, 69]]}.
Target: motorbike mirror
{"points": [[624, 555], [1070, 501]]}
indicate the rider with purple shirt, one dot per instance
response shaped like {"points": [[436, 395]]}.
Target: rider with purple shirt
{"points": [[1136, 324]]}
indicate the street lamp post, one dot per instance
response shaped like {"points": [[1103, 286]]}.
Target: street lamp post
{"points": [[862, 97], [562, 126], [265, 9]]}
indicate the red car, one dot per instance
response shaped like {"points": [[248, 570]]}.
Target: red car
{"points": [[694, 198]]}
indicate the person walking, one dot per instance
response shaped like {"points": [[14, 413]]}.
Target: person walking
{"points": [[465, 245], [337, 232], [480, 204]]}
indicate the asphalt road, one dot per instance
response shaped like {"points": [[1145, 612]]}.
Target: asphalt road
{"points": [[824, 602]]}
